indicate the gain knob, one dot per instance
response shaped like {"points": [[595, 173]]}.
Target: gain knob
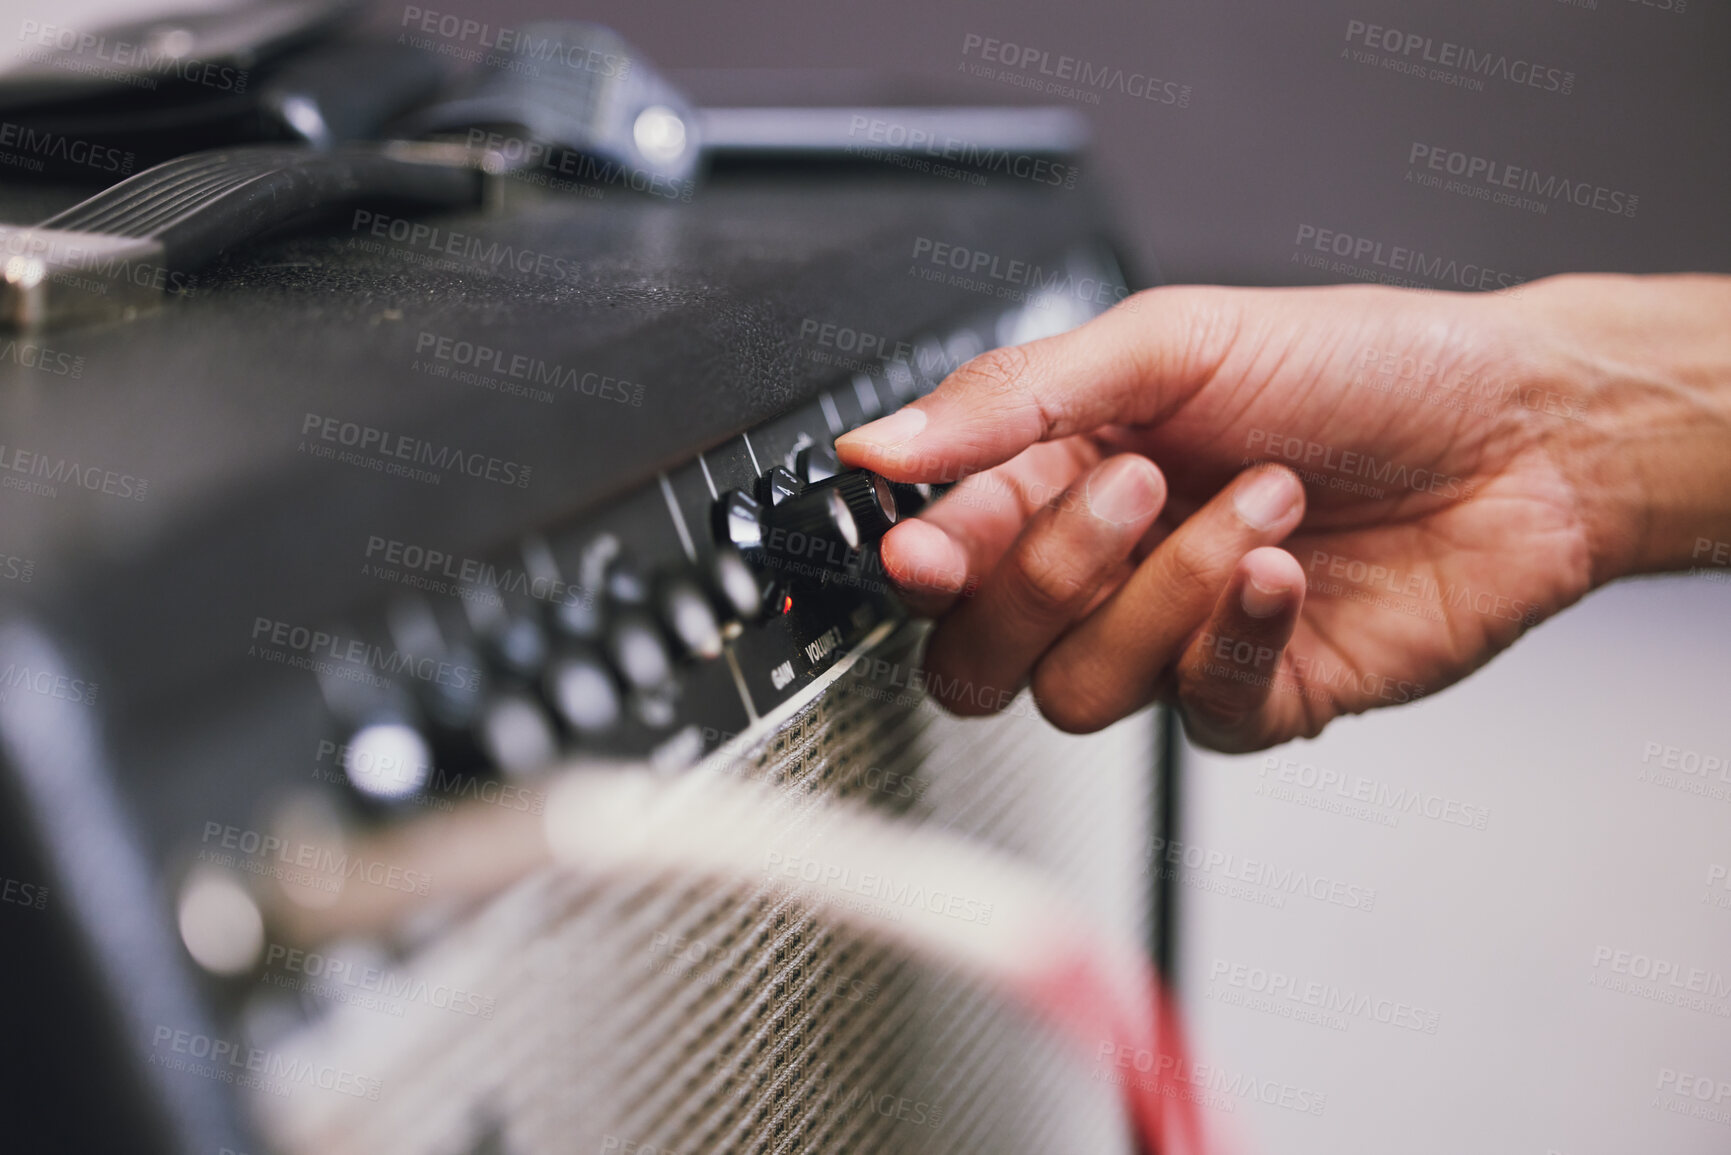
{"points": [[844, 514]]}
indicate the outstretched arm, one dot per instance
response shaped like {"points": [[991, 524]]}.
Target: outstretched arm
{"points": [[1271, 507]]}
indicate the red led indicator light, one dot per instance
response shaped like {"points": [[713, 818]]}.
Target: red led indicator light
{"points": [[786, 602]]}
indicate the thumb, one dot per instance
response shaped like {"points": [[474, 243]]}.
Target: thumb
{"points": [[1132, 365]]}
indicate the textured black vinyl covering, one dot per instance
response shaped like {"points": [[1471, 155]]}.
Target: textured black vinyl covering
{"points": [[700, 304]]}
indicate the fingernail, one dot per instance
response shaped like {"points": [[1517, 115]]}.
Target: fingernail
{"points": [[1260, 601], [888, 432], [1124, 491], [1266, 498]]}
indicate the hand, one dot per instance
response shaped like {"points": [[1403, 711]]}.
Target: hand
{"points": [[1272, 507]]}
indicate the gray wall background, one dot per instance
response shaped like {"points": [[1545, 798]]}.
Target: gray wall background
{"points": [[1495, 932], [1280, 130]]}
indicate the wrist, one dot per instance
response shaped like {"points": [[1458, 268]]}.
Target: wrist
{"points": [[1648, 450]]}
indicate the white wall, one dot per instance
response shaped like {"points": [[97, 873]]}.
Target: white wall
{"points": [[1495, 931]]}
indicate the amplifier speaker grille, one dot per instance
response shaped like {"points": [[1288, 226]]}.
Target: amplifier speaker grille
{"points": [[679, 1015]]}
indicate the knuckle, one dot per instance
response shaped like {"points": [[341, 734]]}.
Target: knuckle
{"points": [[1191, 573], [1068, 703], [1004, 378], [1003, 370], [1052, 578]]}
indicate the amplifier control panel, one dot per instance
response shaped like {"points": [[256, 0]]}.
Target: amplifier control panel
{"points": [[664, 624]]}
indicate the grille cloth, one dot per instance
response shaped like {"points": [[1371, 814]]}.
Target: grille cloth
{"points": [[612, 1030]]}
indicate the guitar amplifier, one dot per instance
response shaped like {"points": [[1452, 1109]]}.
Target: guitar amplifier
{"points": [[318, 582]]}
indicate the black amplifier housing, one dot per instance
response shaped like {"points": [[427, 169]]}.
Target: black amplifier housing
{"points": [[401, 472]]}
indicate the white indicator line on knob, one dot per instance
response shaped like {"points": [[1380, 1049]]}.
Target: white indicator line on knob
{"points": [[869, 401], [707, 480], [755, 467], [830, 414], [678, 517]]}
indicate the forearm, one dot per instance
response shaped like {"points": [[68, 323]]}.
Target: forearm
{"points": [[1648, 360]]}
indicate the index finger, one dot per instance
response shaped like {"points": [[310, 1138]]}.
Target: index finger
{"points": [[954, 543], [1131, 365]]}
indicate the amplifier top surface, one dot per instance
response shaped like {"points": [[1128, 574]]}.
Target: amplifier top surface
{"points": [[466, 378]]}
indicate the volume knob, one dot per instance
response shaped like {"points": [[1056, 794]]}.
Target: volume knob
{"points": [[851, 509]]}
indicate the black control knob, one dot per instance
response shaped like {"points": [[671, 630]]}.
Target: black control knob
{"points": [[848, 511], [516, 733], [638, 652], [688, 616], [740, 574], [777, 485], [739, 591], [815, 463], [582, 689], [739, 522], [911, 497]]}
